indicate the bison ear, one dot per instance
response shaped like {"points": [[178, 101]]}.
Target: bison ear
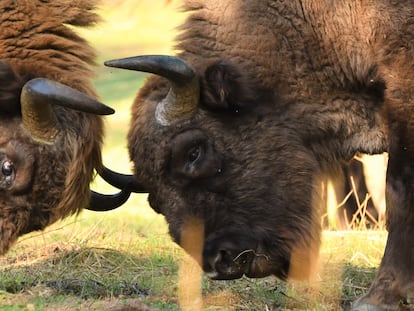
{"points": [[10, 88], [225, 88]]}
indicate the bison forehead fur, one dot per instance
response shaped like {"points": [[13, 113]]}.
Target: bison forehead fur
{"points": [[288, 90], [41, 183]]}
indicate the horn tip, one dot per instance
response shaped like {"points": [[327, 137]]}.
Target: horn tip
{"points": [[106, 110], [47, 89], [113, 63]]}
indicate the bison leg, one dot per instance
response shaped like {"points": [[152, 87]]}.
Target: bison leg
{"points": [[393, 287]]}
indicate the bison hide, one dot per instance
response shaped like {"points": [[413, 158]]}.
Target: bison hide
{"points": [[264, 98]]}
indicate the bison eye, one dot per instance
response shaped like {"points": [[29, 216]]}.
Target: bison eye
{"points": [[193, 156], [8, 171]]}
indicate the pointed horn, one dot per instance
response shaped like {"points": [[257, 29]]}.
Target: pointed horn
{"points": [[183, 97], [105, 202], [102, 202], [37, 97], [121, 181]]}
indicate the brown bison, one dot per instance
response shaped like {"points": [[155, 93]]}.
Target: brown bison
{"points": [[50, 135], [264, 98]]}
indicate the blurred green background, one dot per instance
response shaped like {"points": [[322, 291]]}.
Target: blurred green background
{"points": [[129, 28]]}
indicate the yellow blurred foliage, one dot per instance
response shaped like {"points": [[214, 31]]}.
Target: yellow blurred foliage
{"points": [[141, 27]]}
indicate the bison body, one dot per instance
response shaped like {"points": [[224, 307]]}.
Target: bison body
{"points": [[265, 98], [48, 151]]}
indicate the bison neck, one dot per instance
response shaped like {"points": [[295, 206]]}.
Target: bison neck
{"points": [[337, 126], [318, 56]]}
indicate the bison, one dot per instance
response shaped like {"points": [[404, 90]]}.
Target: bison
{"points": [[50, 129], [262, 100]]}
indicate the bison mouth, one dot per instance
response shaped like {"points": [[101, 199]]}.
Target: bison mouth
{"points": [[232, 256]]}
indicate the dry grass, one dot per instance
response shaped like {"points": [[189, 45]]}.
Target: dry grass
{"points": [[82, 263]]}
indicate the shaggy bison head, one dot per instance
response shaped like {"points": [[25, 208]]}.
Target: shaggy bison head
{"points": [[213, 148], [46, 159], [51, 130]]}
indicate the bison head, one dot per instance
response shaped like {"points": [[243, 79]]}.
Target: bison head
{"points": [[212, 147], [49, 146]]}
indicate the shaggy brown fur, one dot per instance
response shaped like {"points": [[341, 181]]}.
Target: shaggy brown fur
{"points": [[49, 181], [10, 87], [329, 79]]}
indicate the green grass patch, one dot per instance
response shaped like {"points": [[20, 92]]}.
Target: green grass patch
{"points": [[121, 256]]}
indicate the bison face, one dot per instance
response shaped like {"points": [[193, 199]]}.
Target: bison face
{"points": [[16, 165], [233, 163], [47, 152]]}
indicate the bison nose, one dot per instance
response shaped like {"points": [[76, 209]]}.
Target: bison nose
{"points": [[225, 264], [209, 264]]}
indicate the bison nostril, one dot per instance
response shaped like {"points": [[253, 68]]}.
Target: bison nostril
{"points": [[222, 254], [218, 263], [225, 257], [210, 264], [225, 261], [217, 259], [229, 256]]}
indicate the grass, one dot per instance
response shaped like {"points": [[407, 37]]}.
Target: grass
{"points": [[125, 259], [119, 258]]}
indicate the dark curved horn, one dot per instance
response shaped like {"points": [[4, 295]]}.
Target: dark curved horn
{"points": [[37, 114], [103, 202], [183, 97], [121, 181], [107, 202]]}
